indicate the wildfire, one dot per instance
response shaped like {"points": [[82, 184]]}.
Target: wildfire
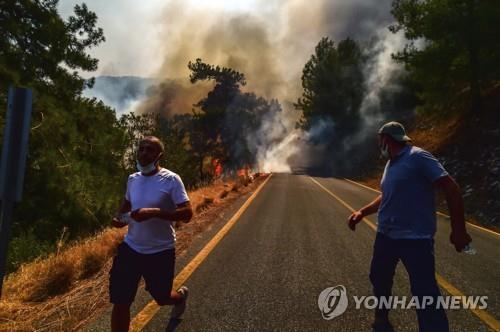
{"points": [[217, 167]]}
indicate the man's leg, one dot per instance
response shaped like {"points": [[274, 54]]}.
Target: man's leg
{"points": [[120, 317], [124, 279], [158, 270], [418, 259], [174, 298], [383, 265]]}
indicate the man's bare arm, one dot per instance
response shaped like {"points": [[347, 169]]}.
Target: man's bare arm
{"points": [[125, 207], [459, 236], [357, 216], [372, 207], [183, 212]]}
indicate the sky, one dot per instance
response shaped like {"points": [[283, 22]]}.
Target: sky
{"points": [[134, 31], [131, 33], [269, 40]]}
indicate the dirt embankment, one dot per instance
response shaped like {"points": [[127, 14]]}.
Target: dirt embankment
{"points": [[66, 290]]}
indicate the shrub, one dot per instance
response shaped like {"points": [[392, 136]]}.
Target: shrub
{"points": [[24, 248]]}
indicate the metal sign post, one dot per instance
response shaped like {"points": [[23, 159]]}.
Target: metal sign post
{"points": [[13, 163]]}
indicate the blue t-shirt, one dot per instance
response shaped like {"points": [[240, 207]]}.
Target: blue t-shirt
{"points": [[408, 207]]}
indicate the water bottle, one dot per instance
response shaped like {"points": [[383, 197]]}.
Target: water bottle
{"points": [[469, 250], [126, 218]]}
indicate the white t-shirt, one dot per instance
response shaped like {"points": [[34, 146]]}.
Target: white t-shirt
{"points": [[163, 190]]}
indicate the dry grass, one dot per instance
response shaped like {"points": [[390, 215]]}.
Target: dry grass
{"points": [[39, 280], [205, 204], [68, 289], [223, 194], [433, 134], [41, 293]]}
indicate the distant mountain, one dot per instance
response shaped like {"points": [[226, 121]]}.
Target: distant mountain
{"points": [[120, 92]]}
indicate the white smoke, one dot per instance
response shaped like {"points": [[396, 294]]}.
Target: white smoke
{"points": [[379, 77], [379, 73], [275, 158], [281, 140], [380, 70], [275, 140], [269, 41]]}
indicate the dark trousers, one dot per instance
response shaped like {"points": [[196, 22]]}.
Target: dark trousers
{"points": [[418, 258]]}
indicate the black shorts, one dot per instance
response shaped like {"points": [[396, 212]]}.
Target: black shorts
{"points": [[129, 266]]}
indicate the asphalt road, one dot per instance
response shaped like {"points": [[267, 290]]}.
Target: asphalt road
{"points": [[291, 243]]}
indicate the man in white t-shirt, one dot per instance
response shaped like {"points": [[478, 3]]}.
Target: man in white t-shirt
{"points": [[155, 198]]}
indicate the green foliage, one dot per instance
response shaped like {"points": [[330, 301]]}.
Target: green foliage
{"points": [[332, 82], [37, 44], [224, 76], [247, 127], [227, 87], [226, 125], [208, 123], [453, 46], [75, 172], [74, 175], [343, 104], [24, 247], [179, 156], [79, 153], [173, 132]]}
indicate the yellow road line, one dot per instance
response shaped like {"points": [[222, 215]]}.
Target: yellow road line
{"points": [[362, 185], [368, 222], [491, 321], [143, 317], [438, 213]]}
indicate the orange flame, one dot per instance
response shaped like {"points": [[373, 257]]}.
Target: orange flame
{"points": [[217, 166]]}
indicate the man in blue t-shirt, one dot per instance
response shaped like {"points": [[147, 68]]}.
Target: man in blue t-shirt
{"points": [[407, 223]]}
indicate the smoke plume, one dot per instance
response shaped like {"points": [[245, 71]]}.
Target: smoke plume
{"points": [[268, 41]]}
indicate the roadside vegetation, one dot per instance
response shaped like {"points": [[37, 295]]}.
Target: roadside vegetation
{"points": [[80, 153], [66, 289]]}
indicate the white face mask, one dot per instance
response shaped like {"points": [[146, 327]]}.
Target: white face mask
{"points": [[148, 168], [384, 151]]}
